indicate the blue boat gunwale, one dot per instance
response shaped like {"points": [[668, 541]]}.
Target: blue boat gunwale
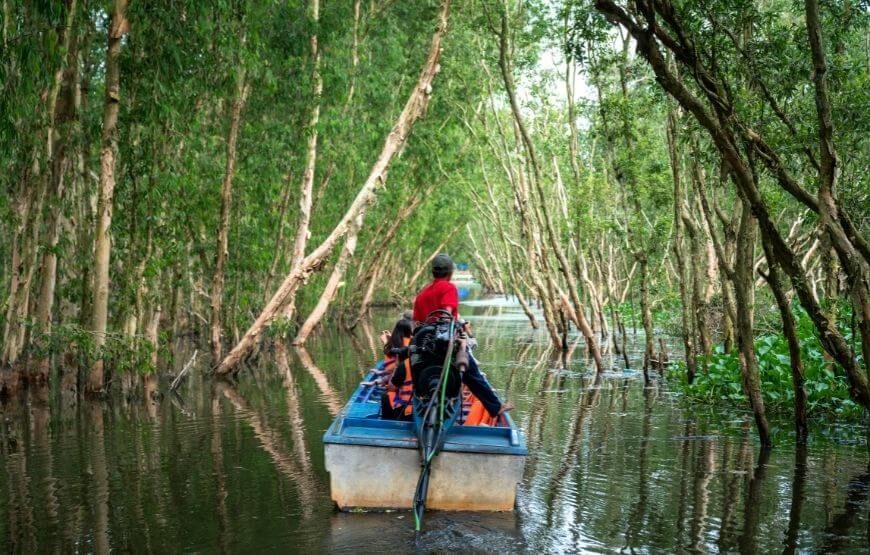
{"points": [[364, 427]]}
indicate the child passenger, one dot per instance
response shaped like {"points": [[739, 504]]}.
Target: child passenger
{"points": [[396, 378]]}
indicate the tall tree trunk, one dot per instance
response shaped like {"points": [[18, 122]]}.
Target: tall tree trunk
{"points": [[305, 191], [700, 270], [278, 247], [723, 254], [744, 287], [680, 248], [414, 109], [108, 159], [24, 258], [61, 114], [217, 285], [645, 313], [354, 57], [150, 379], [789, 330]]}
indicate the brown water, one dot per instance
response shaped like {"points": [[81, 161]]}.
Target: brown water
{"points": [[613, 466]]}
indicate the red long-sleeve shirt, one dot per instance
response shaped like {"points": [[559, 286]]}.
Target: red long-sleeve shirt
{"points": [[441, 293]]}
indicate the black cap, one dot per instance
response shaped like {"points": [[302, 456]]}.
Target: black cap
{"points": [[442, 264]]}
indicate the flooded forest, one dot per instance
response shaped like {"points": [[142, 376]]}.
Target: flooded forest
{"points": [[659, 212]]}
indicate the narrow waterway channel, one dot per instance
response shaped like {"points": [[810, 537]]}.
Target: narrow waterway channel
{"points": [[613, 465]]}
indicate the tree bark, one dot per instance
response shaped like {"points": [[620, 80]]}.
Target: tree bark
{"points": [[217, 285], [328, 294], [108, 159], [789, 330], [829, 173], [719, 124], [61, 114], [680, 248], [305, 191], [744, 286], [414, 109]]}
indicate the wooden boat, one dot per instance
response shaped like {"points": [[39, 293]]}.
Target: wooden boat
{"points": [[374, 463]]}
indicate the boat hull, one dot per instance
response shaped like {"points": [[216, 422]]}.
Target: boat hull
{"points": [[381, 478]]}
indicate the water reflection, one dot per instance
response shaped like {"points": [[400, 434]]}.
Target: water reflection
{"points": [[272, 444], [752, 504], [637, 517], [797, 498], [613, 465], [220, 477], [839, 533], [294, 410], [328, 395], [100, 475]]}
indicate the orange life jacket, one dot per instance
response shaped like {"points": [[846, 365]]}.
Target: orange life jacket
{"points": [[473, 411], [402, 396]]}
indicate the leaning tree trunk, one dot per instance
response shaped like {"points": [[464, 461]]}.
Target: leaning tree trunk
{"points": [[414, 109], [332, 284], [108, 158], [217, 285], [555, 242], [305, 191], [378, 254], [718, 123]]}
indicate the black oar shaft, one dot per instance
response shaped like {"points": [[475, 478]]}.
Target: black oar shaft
{"points": [[431, 436]]}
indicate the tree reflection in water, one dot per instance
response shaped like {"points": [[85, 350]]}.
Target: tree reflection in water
{"points": [[612, 465]]}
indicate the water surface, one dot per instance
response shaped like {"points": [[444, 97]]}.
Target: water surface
{"points": [[613, 465]]}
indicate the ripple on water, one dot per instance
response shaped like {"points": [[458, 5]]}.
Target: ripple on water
{"points": [[614, 466]]}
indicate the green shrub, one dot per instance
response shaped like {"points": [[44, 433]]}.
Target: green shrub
{"points": [[825, 382], [122, 353]]}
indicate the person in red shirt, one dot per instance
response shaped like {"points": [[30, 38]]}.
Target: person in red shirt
{"points": [[441, 294]]}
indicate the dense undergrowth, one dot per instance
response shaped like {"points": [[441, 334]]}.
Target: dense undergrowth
{"points": [[718, 380], [122, 353]]}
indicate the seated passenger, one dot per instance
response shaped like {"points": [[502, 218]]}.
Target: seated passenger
{"points": [[396, 404], [473, 411]]}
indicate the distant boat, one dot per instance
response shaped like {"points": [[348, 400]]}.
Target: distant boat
{"points": [[374, 463], [462, 276]]}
